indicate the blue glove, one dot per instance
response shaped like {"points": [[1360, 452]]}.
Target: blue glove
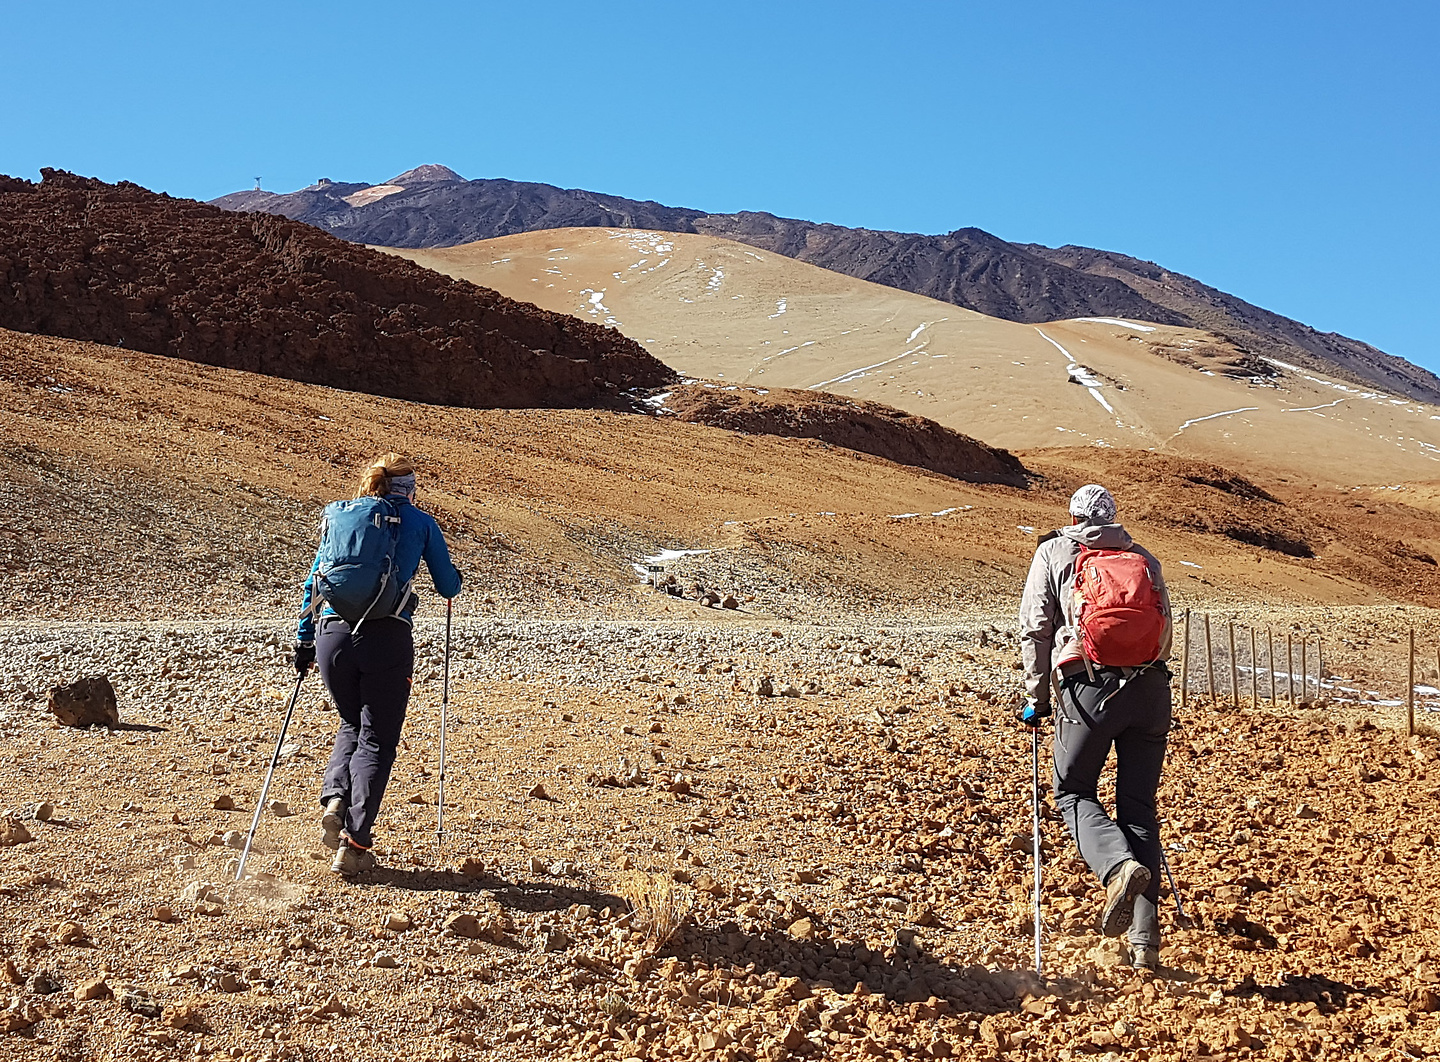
{"points": [[1033, 713]]}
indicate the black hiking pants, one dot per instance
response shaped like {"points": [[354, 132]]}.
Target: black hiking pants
{"points": [[1134, 717], [368, 675]]}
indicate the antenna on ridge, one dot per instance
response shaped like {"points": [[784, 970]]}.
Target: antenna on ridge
{"points": [[257, 184]]}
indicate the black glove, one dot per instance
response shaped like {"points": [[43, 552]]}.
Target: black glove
{"points": [[1032, 713], [304, 656]]}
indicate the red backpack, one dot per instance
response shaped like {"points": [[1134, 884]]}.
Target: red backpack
{"points": [[1118, 608]]}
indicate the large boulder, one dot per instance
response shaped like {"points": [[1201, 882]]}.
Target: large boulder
{"points": [[86, 702]]}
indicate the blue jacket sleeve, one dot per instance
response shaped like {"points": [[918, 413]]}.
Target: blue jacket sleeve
{"points": [[437, 559], [306, 631]]}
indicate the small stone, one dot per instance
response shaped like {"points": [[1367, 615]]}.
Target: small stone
{"points": [[463, 925], [537, 865], [384, 961], [224, 802], [229, 983], [13, 832], [802, 929], [789, 690], [729, 602], [162, 913], [233, 839], [471, 867], [398, 922], [71, 933], [416, 798], [96, 989], [554, 940], [1305, 811], [184, 1015], [537, 792], [280, 809], [185, 862], [44, 811], [763, 686]]}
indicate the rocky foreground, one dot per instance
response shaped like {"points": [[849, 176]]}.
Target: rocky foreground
{"points": [[676, 841]]}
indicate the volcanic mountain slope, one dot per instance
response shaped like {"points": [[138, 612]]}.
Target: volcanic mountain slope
{"points": [[432, 206], [118, 264], [146, 485], [723, 311]]}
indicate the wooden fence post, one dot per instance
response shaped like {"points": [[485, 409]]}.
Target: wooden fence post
{"points": [[1270, 660], [1209, 659], [1185, 661], [1304, 671], [1290, 668], [1254, 673], [1410, 690], [1234, 673]]}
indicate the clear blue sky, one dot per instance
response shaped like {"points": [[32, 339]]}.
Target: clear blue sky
{"points": [[1285, 152]]}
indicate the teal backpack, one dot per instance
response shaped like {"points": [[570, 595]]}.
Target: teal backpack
{"points": [[356, 574]]}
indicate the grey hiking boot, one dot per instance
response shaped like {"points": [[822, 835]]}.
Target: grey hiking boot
{"points": [[352, 860], [1127, 881], [332, 822], [1145, 959]]}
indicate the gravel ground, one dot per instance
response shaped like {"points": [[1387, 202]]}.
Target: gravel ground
{"points": [[851, 859]]}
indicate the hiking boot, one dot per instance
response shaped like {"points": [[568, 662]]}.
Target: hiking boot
{"points": [[1128, 881], [352, 860], [1145, 959], [332, 821]]}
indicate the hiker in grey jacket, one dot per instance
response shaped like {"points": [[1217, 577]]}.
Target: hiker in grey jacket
{"points": [[1099, 706]]}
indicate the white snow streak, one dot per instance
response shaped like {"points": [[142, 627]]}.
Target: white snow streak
{"points": [[1118, 321], [1311, 409], [1212, 416]]}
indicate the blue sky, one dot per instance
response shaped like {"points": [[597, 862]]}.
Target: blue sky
{"points": [[1284, 152]]}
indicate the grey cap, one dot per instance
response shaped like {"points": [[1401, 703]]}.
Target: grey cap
{"points": [[1093, 504]]}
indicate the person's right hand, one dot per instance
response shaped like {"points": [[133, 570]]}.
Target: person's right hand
{"points": [[304, 656]]}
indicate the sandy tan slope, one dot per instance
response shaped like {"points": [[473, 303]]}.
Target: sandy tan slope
{"points": [[717, 309]]}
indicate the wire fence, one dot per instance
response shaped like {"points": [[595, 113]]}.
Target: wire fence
{"points": [[1227, 662]]}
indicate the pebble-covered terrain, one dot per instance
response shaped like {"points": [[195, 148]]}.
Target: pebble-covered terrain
{"points": [[836, 818]]}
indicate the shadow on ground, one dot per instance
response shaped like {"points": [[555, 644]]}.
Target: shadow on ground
{"points": [[515, 896]]}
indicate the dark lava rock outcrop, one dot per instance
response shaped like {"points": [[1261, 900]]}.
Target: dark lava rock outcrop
{"points": [[120, 265], [868, 427]]}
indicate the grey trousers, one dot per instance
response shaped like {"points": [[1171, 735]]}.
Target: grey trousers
{"points": [[1092, 715], [368, 675]]}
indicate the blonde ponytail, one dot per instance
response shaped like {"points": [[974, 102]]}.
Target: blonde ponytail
{"points": [[375, 477]]}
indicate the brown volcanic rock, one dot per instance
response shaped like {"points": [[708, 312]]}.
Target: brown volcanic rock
{"points": [[121, 265], [86, 702], [855, 424]]}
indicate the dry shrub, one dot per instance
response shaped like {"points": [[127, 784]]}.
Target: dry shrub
{"points": [[658, 907]]}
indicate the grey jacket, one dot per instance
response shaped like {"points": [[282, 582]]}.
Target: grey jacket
{"points": [[1047, 623]]}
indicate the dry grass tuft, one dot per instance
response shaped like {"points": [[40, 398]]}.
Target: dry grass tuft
{"points": [[658, 907]]}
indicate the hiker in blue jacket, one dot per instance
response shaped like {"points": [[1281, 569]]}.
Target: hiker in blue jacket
{"points": [[368, 671]]}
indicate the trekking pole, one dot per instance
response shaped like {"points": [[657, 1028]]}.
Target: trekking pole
{"points": [[1174, 889], [444, 714], [265, 789], [1035, 803]]}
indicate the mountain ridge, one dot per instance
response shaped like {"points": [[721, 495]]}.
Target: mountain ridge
{"points": [[968, 267]]}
